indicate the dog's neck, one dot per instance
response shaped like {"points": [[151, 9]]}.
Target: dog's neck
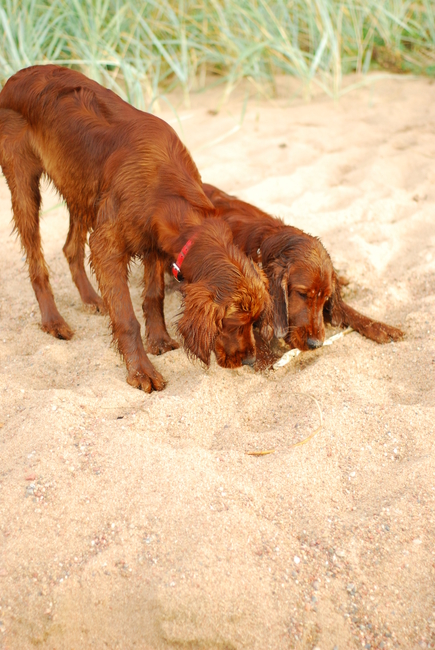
{"points": [[212, 256], [176, 266]]}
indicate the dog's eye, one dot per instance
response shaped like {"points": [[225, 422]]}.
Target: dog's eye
{"points": [[302, 295]]}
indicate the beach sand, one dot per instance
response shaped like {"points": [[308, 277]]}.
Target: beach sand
{"points": [[139, 521]]}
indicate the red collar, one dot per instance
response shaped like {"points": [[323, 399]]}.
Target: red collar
{"points": [[176, 266]]}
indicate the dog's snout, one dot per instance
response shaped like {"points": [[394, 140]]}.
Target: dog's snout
{"points": [[249, 361], [314, 343]]}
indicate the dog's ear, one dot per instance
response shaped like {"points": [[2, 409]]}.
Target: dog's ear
{"points": [[275, 266], [278, 289], [201, 321], [266, 321]]}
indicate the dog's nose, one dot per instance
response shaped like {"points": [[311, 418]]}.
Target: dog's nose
{"points": [[314, 343], [249, 361]]}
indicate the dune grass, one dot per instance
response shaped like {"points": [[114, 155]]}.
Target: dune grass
{"points": [[145, 48]]}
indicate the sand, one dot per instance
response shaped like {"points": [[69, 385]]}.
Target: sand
{"points": [[138, 521]]}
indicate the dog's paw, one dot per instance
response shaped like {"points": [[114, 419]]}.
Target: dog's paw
{"points": [[162, 345], [146, 382], [58, 328], [95, 305], [381, 333]]}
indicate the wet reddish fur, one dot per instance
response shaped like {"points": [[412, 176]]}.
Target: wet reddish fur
{"points": [[128, 181], [302, 281]]}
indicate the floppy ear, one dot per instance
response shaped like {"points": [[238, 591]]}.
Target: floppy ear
{"points": [[266, 321], [275, 265], [278, 289], [200, 322]]}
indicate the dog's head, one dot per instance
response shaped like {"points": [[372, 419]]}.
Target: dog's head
{"points": [[221, 307], [250, 304], [301, 281]]}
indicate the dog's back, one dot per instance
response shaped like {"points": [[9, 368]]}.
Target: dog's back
{"points": [[85, 134]]}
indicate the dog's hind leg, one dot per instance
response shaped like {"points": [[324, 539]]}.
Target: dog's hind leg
{"points": [[23, 169], [158, 339], [74, 251]]}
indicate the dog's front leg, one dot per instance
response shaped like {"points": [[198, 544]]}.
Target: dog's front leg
{"points": [[337, 312], [110, 262], [158, 339]]}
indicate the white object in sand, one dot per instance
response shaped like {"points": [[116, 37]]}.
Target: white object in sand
{"points": [[291, 354]]}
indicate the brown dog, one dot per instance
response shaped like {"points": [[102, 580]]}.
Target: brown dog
{"points": [[129, 181], [302, 281]]}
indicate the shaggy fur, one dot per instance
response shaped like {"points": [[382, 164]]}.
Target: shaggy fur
{"points": [[128, 181], [303, 284]]}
